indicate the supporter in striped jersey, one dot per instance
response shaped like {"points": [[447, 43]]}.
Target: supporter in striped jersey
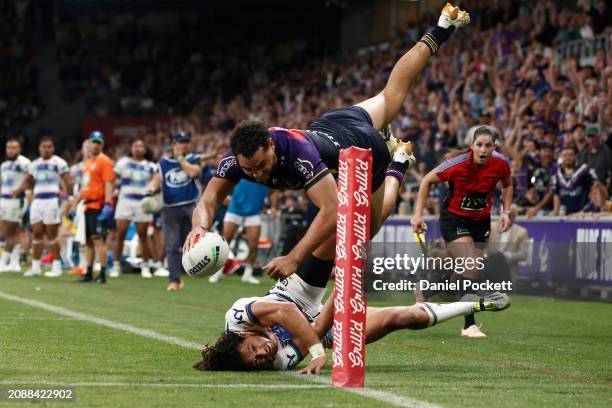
{"points": [[134, 174], [49, 176], [13, 172]]}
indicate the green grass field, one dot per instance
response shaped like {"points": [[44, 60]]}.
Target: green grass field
{"points": [[540, 352]]}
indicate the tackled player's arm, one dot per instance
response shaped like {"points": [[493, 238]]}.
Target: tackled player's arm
{"points": [[324, 195], [291, 318]]}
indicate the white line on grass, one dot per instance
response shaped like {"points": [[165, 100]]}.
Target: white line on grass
{"points": [[382, 396], [163, 385]]}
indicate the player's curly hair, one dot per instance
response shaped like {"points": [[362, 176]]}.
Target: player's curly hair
{"points": [[223, 356], [248, 137]]}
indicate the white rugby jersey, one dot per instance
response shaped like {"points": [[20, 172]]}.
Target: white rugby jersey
{"points": [[12, 173], [76, 171], [134, 176], [47, 174], [239, 318]]}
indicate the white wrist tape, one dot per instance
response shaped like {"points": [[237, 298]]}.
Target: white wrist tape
{"points": [[316, 351]]}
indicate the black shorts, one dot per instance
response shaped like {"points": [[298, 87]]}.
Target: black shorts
{"points": [[347, 127], [454, 226], [93, 227]]}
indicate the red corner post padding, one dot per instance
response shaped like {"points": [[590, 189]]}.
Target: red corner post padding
{"points": [[352, 233]]}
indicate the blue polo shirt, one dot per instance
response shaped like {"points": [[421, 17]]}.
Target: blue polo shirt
{"points": [[177, 187]]}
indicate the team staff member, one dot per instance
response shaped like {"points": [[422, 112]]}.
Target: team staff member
{"points": [[178, 177], [294, 159], [97, 192], [465, 220], [12, 172], [50, 176]]}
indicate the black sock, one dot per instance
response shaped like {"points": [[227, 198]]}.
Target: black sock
{"points": [[89, 272], [469, 320], [102, 271], [436, 37]]}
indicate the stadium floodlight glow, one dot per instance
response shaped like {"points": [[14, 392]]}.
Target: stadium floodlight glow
{"points": [[352, 233]]}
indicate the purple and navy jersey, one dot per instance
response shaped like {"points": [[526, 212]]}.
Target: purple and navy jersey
{"points": [[299, 162], [573, 188]]}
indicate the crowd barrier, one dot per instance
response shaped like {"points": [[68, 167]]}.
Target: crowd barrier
{"points": [[562, 257]]}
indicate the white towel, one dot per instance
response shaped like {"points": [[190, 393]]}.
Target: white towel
{"points": [[79, 221]]}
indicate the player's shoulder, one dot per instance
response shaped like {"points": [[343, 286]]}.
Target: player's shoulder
{"points": [[498, 156], [123, 162], [22, 160], [453, 162], [239, 317], [103, 158], [59, 161], [227, 163], [288, 133]]}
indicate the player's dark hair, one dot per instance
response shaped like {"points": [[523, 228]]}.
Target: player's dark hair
{"points": [[224, 355], [248, 137], [14, 139], [44, 139], [479, 131]]}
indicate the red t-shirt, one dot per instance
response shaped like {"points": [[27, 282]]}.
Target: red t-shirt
{"points": [[470, 186]]}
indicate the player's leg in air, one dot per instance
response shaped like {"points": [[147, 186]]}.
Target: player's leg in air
{"points": [[383, 107]]}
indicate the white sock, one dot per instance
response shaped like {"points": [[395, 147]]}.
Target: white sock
{"points": [[56, 266], [4, 258], [248, 271], [439, 313], [36, 265], [116, 265], [15, 254], [145, 268], [82, 257]]}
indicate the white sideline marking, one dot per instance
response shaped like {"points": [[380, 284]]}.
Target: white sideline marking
{"points": [[163, 385], [382, 396]]}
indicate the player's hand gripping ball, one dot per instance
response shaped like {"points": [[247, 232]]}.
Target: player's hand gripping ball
{"points": [[207, 255]]}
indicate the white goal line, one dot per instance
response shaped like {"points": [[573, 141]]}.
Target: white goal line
{"points": [[382, 396]]}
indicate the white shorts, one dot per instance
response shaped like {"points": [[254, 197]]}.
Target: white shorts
{"points": [[12, 209], [130, 210], [245, 221], [45, 210], [293, 289]]}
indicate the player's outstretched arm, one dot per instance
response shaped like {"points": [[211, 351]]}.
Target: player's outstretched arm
{"points": [[383, 107], [324, 196], [289, 316], [204, 213]]}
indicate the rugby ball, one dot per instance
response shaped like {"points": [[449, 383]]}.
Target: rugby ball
{"points": [[152, 204], [207, 255]]}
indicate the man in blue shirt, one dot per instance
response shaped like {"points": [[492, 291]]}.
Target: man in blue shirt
{"points": [[178, 178], [244, 210]]}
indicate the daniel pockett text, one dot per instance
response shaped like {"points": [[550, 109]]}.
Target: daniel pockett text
{"points": [[405, 272]]}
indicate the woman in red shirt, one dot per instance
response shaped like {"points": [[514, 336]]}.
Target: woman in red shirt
{"points": [[465, 220]]}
